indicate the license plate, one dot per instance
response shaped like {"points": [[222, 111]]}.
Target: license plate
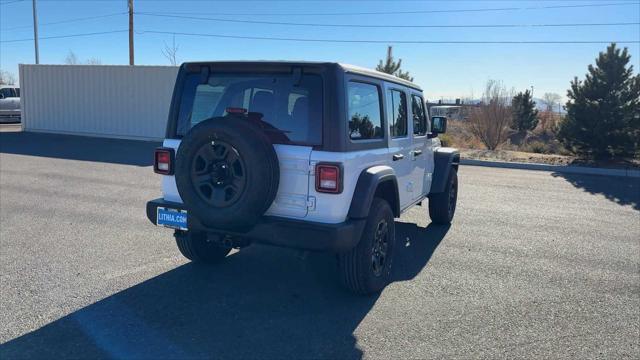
{"points": [[172, 218]]}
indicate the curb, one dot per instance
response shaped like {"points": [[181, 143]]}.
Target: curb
{"points": [[555, 168]]}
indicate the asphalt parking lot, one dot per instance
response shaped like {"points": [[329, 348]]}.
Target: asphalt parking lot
{"points": [[536, 264]]}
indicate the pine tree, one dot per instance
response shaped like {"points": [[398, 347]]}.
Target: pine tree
{"points": [[524, 113], [390, 66], [603, 111]]}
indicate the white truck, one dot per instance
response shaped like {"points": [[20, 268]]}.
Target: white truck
{"points": [[9, 104]]}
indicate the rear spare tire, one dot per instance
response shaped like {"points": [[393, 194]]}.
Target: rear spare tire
{"points": [[227, 172]]}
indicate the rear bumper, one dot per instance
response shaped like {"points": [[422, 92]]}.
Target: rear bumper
{"points": [[281, 231]]}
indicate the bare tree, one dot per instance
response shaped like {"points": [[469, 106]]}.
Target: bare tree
{"points": [[71, 59], [551, 100], [94, 61], [490, 121], [7, 78], [170, 52], [548, 120]]}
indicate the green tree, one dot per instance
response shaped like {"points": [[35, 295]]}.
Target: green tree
{"points": [[523, 112], [603, 111], [390, 66]]}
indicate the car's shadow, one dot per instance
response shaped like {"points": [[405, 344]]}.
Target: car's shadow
{"points": [[262, 302], [621, 190], [118, 151]]}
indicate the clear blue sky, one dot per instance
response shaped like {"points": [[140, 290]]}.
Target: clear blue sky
{"points": [[443, 70]]}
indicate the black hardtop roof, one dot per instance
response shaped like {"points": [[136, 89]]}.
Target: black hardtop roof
{"points": [[344, 67]]}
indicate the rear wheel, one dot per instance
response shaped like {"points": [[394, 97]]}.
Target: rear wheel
{"points": [[442, 206], [196, 247], [366, 268]]}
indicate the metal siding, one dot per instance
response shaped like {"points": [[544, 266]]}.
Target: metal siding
{"points": [[97, 100]]}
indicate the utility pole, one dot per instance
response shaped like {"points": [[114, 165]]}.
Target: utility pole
{"points": [[35, 31], [531, 91], [130, 2]]}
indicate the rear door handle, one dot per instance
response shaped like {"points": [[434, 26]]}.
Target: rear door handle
{"points": [[397, 157], [417, 152]]}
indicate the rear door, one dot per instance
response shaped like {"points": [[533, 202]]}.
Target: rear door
{"points": [[419, 153], [293, 191], [400, 143], [288, 108]]}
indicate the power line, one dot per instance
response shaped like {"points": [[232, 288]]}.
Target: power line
{"points": [[10, 2], [386, 26], [408, 11], [65, 36], [373, 41], [387, 41], [67, 21]]}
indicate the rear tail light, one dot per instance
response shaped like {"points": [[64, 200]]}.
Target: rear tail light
{"points": [[329, 178], [163, 161]]}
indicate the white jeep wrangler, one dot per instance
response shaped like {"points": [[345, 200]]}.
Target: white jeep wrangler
{"points": [[308, 155]]}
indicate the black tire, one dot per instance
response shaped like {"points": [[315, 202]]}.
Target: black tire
{"points": [[227, 172], [442, 206], [357, 266], [195, 247]]}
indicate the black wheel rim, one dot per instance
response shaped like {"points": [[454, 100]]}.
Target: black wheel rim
{"points": [[218, 174], [453, 197], [380, 247]]}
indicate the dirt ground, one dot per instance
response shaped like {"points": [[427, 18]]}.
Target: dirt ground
{"points": [[549, 159]]}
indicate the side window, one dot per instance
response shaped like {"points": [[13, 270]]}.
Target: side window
{"points": [[294, 100], [365, 120], [6, 92], [263, 101], [419, 116], [397, 113]]}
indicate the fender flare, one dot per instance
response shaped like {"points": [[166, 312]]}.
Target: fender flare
{"points": [[366, 188], [444, 159]]}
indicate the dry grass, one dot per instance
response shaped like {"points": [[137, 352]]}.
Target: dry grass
{"points": [[517, 156], [549, 159], [537, 146], [459, 135]]}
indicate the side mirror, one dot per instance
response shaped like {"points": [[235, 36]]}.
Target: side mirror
{"points": [[1, 96], [438, 125]]}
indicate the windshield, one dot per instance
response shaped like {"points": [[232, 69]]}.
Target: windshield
{"points": [[293, 106]]}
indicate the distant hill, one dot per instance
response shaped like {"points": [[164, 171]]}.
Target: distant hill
{"points": [[542, 106]]}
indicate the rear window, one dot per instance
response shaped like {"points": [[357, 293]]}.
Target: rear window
{"points": [[293, 106]]}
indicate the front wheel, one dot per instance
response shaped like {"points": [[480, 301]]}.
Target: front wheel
{"points": [[442, 206], [196, 247], [366, 268]]}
